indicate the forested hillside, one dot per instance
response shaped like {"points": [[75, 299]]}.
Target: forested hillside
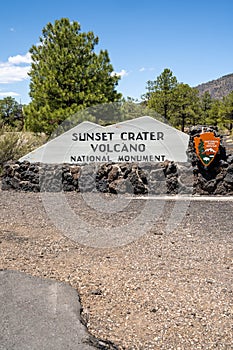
{"points": [[217, 88]]}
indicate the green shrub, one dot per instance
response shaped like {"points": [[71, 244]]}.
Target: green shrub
{"points": [[13, 145]]}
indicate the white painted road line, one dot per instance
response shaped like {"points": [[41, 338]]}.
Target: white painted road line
{"points": [[187, 198]]}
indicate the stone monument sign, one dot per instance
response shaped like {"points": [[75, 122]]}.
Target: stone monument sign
{"points": [[139, 140]]}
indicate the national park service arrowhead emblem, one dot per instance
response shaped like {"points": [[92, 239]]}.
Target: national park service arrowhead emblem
{"points": [[206, 146]]}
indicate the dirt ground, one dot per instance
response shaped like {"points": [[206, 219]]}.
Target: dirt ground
{"points": [[150, 286]]}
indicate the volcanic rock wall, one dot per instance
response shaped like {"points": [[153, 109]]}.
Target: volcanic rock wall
{"points": [[152, 178], [217, 178]]}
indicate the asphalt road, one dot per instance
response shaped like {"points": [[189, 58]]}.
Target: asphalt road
{"points": [[39, 314]]}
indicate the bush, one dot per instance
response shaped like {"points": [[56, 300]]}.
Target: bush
{"points": [[13, 145]]}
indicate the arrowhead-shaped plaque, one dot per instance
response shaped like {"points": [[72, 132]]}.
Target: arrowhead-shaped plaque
{"points": [[206, 146]]}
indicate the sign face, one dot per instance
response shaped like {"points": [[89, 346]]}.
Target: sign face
{"points": [[139, 140], [206, 146]]}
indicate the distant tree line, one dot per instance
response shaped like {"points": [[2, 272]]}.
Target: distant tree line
{"points": [[183, 106], [68, 77], [11, 114]]}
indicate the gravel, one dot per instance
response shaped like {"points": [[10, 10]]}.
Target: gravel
{"points": [[164, 289]]}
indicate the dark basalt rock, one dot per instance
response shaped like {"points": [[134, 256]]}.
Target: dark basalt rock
{"points": [[215, 178], [143, 178]]}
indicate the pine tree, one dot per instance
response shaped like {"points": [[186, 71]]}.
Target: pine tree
{"points": [[160, 95], [67, 75], [201, 148]]}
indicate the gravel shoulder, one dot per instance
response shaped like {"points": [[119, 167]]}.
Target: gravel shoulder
{"points": [[162, 289]]}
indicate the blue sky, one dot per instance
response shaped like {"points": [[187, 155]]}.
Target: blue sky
{"points": [[192, 38]]}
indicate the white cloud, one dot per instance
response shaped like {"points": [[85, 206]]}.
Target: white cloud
{"points": [[11, 74], [10, 93], [15, 69], [122, 73], [18, 59], [143, 69]]}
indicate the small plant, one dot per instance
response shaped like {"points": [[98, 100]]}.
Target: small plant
{"points": [[13, 145]]}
